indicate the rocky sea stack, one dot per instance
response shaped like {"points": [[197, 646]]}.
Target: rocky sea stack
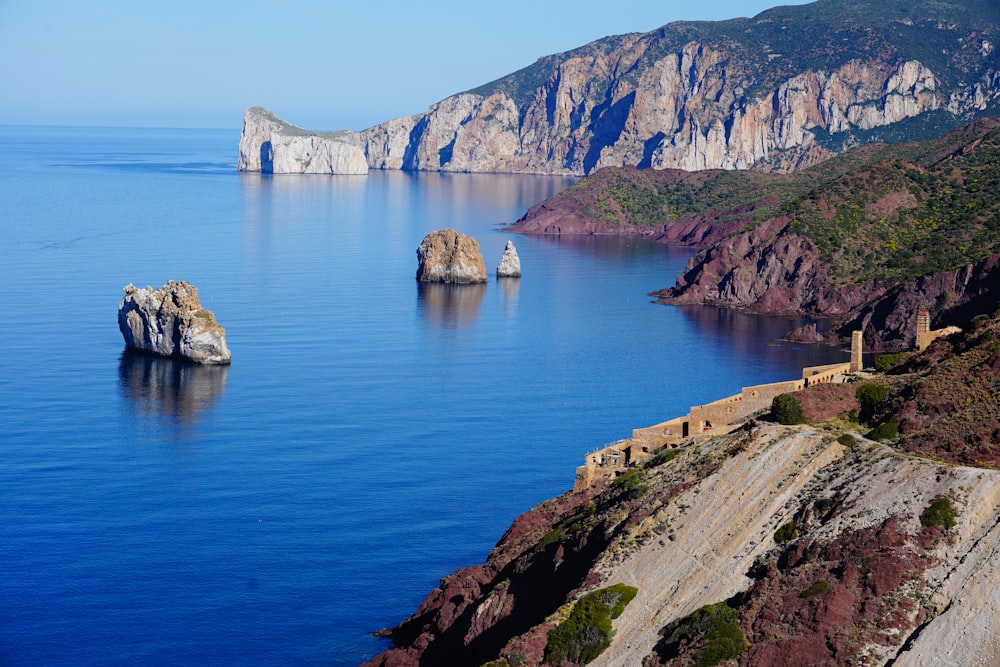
{"points": [[510, 263], [446, 256], [271, 145], [170, 322]]}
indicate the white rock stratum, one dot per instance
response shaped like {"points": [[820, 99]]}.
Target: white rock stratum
{"points": [[271, 145]]}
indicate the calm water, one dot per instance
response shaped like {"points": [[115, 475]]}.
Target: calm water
{"points": [[370, 436]]}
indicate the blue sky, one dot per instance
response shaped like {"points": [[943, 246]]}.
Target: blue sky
{"points": [[321, 65]]}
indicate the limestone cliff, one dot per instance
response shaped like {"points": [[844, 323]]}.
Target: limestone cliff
{"points": [[271, 145], [826, 547], [778, 91], [446, 256], [170, 322]]}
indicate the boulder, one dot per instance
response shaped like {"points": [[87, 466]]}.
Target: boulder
{"points": [[446, 256], [510, 263], [170, 322]]}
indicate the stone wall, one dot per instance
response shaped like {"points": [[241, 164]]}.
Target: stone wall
{"points": [[710, 419]]}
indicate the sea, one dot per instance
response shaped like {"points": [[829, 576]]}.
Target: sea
{"points": [[372, 434]]}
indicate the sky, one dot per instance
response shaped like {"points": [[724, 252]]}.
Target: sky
{"points": [[322, 65]]}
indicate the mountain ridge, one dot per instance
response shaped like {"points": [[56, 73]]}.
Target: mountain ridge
{"points": [[777, 92]]}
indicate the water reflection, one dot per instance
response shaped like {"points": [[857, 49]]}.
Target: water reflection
{"points": [[509, 289], [450, 306], [744, 333], [176, 389]]}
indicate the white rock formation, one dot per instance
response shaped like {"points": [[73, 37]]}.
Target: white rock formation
{"points": [[268, 144], [170, 322], [510, 263]]}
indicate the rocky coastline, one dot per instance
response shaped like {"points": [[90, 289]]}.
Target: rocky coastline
{"points": [[822, 544]]}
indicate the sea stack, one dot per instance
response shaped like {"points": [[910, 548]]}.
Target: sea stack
{"points": [[510, 263], [170, 322], [271, 145], [446, 256]]}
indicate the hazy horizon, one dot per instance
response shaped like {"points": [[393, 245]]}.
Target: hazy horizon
{"points": [[322, 66]]}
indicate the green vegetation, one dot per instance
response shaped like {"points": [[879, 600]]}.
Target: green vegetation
{"points": [[890, 213], [818, 588], [587, 631], [847, 440], [632, 482], [663, 456], [885, 432], [885, 362], [822, 505], [554, 536], [785, 533], [786, 409], [717, 626], [939, 513], [871, 395]]}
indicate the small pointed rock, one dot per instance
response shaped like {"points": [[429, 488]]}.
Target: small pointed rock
{"points": [[510, 263]]}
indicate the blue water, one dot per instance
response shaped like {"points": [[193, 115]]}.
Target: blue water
{"points": [[370, 436]]}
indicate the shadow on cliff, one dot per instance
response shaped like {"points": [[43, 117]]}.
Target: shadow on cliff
{"points": [[539, 582], [179, 390]]}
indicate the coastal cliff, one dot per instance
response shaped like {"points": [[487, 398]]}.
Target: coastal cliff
{"points": [[866, 239], [777, 92], [812, 544], [271, 145]]}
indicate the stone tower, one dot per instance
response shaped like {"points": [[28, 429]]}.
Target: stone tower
{"points": [[856, 349], [923, 328]]}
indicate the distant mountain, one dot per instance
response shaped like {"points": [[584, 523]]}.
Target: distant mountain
{"points": [[776, 92]]}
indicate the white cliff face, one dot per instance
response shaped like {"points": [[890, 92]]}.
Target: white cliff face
{"points": [[686, 110], [697, 104], [270, 145]]}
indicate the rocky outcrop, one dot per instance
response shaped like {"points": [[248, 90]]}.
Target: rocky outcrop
{"points": [[446, 256], [271, 145], [510, 263], [779, 91], [171, 322], [825, 547], [700, 530]]}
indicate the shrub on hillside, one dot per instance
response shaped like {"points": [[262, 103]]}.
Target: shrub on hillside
{"points": [[785, 533], [847, 440], [871, 395], [885, 431], [786, 409], [939, 513], [587, 631], [885, 362], [716, 627]]}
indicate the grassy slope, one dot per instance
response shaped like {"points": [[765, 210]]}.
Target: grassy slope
{"points": [[877, 212]]}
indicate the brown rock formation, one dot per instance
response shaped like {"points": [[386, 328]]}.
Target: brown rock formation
{"points": [[171, 322], [446, 256]]}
